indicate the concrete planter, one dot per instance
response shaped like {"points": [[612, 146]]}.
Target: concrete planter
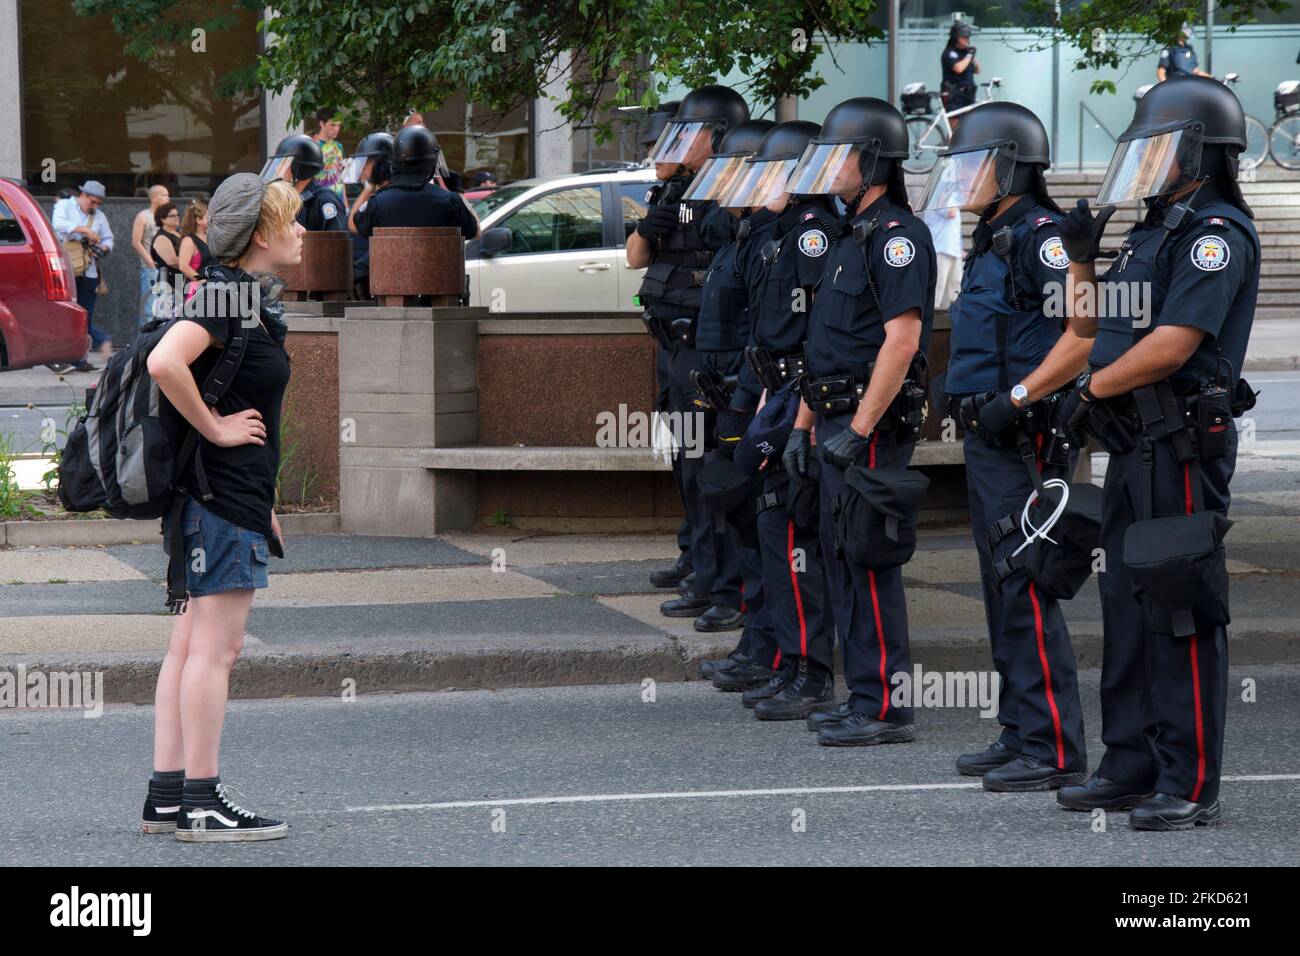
{"points": [[409, 263], [325, 269]]}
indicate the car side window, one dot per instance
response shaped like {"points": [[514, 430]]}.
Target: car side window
{"points": [[11, 233], [631, 200], [562, 221]]}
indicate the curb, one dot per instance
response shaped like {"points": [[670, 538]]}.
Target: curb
{"points": [[94, 532], [1275, 363], [262, 674]]}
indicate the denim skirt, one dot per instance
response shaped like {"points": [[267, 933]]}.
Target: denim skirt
{"points": [[219, 556]]}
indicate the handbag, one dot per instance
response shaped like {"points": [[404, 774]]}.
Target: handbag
{"points": [[78, 255]]}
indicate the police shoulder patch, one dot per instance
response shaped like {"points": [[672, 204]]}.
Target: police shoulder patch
{"points": [[1052, 253], [813, 243], [899, 251], [328, 210], [1210, 253]]}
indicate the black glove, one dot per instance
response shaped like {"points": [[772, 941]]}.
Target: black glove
{"points": [[798, 449], [732, 423], [1081, 232], [997, 415], [843, 450], [658, 221], [1070, 413]]}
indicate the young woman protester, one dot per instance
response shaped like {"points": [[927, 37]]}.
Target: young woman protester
{"points": [[194, 254], [252, 232], [166, 256]]}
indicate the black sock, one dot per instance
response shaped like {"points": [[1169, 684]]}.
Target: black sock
{"points": [[201, 786], [168, 779]]}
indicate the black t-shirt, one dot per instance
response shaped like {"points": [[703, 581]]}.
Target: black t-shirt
{"points": [[242, 478], [950, 57]]}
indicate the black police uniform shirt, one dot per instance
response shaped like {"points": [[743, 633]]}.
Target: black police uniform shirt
{"points": [[673, 284], [1038, 265], [725, 319], [846, 326], [1204, 274], [804, 236], [242, 478], [965, 80], [322, 210], [410, 201], [1178, 59]]}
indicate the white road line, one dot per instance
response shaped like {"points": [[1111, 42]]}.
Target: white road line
{"points": [[706, 794]]}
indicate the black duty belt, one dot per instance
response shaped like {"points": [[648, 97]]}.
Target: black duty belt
{"points": [[833, 394], [773, 369]]}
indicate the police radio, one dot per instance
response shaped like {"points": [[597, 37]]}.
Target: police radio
{"points": [[1002, 243], [1214, 413]]}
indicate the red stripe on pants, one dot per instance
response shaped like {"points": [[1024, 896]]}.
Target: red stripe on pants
{"points": [[798, 598], [1196, 669], [875, 602], [1047, 677]]}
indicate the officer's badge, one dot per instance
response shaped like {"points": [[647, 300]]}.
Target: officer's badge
{"points": [[1210, 254], [328, 210], [899, 252], [813, 243], [1053, 253]]}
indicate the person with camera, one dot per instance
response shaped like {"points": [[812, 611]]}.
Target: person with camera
{"points": [[87, 237]]}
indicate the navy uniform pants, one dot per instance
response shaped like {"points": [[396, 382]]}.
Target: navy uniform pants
{"points": [[663, 359], [867, 604], [794, 581], [1038, 702], [1163, 696]]}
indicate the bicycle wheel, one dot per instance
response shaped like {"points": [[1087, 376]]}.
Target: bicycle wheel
{"points": [[923, 144], [1256, 144], [1284, 142]]}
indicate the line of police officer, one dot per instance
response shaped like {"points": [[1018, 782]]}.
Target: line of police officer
{"points": [[403, 180], [795, 247]]}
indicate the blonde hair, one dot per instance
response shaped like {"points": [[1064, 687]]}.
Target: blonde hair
{"points": [[193, 213], [280, 205]]}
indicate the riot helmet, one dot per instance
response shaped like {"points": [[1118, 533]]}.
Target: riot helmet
{"points": [[697, 128], [762, 180], [860, 145], [298, 157], [416, 153], [999, 149], [719, 171], [377, 147], [653, 123]]}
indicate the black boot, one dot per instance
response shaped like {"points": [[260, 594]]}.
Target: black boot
{"points": [[689, 604], [710, 667], [671, 577], [990, 758], [859, 730], [745, 674], [827, 716], [1026, 773], [686, 584], [784, 674], [1164, 811], [810, 689], [1098, 793], [718, 618]]}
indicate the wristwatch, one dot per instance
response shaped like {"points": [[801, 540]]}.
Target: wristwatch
{"points": [[1081, 383], [1020, 396]]}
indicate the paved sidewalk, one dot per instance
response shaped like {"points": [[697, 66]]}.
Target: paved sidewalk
{"points": [[489, 611]]}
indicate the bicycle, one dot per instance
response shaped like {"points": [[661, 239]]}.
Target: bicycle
{"points": [[1257, 134], [927, 131], [1284, 134]]}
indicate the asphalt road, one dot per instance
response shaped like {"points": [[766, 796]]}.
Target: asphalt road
{"points": [[595, 775]]}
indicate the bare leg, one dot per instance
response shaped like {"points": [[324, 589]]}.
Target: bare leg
{"points": [[215, 642], [168, 753]]}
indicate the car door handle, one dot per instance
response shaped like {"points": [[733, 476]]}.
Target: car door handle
{"points": [[593, 267]]}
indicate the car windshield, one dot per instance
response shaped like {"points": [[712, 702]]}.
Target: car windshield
{"points": [[498, 198]]}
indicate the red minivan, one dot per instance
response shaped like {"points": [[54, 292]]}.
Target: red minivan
{"points": [[40, 321]]}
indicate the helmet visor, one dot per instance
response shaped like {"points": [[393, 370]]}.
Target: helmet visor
{"points": [[680, 140], [278, 167], [759, 184], [714, 178], [353, 170], [969, 180], [829, 169], [1151, 166]]}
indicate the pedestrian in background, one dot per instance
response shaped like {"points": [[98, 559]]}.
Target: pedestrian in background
{"points": [[79, 220], [194, 252], [143, 231], [945, 227], [332, 155], [166, 256]]}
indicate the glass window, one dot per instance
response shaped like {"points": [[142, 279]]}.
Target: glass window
{"points": [[497, 198], [10, 232], [561, 221], [100, 114], [631, 199]]}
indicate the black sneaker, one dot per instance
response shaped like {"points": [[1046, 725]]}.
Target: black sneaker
{"points": [[161, 807], [990, 758], [214, 817]]}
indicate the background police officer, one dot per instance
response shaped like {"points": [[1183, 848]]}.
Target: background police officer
{"points": [[372, 166], [410, 199], [297, 160], [959, 68], [675, 244], [1008, 354], [871, 316], [781, 263], [721, 334], [1164, 670], [1179, 59]]}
